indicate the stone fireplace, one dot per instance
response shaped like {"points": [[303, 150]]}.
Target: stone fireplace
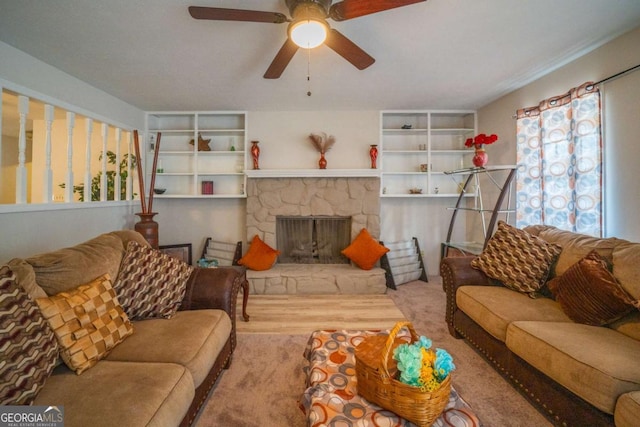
{"points": [[354, 197], [315, 207]]}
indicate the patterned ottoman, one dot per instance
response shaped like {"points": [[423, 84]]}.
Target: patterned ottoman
{"points": [[331, 397]]}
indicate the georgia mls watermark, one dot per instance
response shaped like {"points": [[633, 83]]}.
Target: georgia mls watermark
{"points": [[31, 416]]}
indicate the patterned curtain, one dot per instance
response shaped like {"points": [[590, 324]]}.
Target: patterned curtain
{"points": [[559, 157]]}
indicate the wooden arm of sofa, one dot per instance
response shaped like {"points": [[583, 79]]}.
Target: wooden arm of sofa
{"points": [[456, 272]]}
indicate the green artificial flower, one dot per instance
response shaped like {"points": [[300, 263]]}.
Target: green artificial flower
{"points": [[444, 364]]}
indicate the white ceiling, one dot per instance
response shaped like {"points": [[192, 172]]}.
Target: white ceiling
{"points": [[438, 54]]}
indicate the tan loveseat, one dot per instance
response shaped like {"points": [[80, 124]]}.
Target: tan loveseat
{"points": [[161, 374], [575, 374]]}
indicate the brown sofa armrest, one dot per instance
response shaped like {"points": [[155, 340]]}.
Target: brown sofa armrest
{"points": [[214, 288], [456, 272]]}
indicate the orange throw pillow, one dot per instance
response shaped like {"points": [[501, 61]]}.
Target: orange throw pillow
{"points": [[260, 256], [364, 251]]}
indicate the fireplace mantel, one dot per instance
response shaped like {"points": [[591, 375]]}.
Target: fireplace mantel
{"points": [[313, 173]]}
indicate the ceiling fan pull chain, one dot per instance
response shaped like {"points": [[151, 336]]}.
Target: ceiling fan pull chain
{"points": [[308, 72]]}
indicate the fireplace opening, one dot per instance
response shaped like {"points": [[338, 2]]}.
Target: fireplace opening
{"points": [[312, 239]]}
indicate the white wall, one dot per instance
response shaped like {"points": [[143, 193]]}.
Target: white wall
{"points": [[22, 69], [284, 142], [28, 233], [424, 218], [193, 220], [25, 234], [622, 152], [620, 119]]}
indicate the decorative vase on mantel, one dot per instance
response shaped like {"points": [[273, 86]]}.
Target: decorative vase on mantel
{"points": [[373, 153], [255, 154], [148, 228], [322, 163], [480, 158]]}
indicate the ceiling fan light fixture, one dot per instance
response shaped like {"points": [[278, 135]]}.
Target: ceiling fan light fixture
{"points": [[308, 33]]}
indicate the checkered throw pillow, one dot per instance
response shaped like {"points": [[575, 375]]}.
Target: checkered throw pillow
{"points": [[88, 322]]}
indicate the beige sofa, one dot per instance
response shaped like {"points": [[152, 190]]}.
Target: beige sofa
{"points": [[575, 374], [162, 373]]}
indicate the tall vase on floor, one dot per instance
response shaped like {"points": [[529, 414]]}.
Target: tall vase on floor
{"points": [[148, 228], [480, 158]]}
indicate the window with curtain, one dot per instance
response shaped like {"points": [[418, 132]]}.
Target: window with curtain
{"points": [[559, 158]]}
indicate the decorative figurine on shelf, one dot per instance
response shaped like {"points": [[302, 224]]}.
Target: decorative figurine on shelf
{"points": [[255, 154], [203, 144], [480, 158], [323, 143], [373, 153]]}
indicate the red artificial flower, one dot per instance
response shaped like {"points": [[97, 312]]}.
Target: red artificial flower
{"points": [[480, 140]]}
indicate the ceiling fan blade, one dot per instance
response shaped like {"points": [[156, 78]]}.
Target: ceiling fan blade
{"points": [[221, 14], [349, 9], [282, 59], [348, 50]]}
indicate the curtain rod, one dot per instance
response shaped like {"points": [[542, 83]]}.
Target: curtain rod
{"points": [[616, 75], [606, 79]]}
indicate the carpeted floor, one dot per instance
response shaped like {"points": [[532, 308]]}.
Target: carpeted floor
{"points": [[265, 380]]}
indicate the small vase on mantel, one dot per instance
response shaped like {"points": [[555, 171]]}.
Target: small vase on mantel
{"points": [[480, 158], [148, 228], [373, 153], [322, 163], [255, 154]]}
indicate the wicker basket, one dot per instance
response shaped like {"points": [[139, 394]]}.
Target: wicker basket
{"points": [[376, 371]]}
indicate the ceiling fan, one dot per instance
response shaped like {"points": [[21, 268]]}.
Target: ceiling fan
{"points": [[308, 26]]}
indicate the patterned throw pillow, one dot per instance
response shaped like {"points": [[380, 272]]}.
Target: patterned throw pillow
{"points": [[364, 251], [88, 322], [588, 293], [27, 344], [151, 283], [518, 259], [260, 256]]}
